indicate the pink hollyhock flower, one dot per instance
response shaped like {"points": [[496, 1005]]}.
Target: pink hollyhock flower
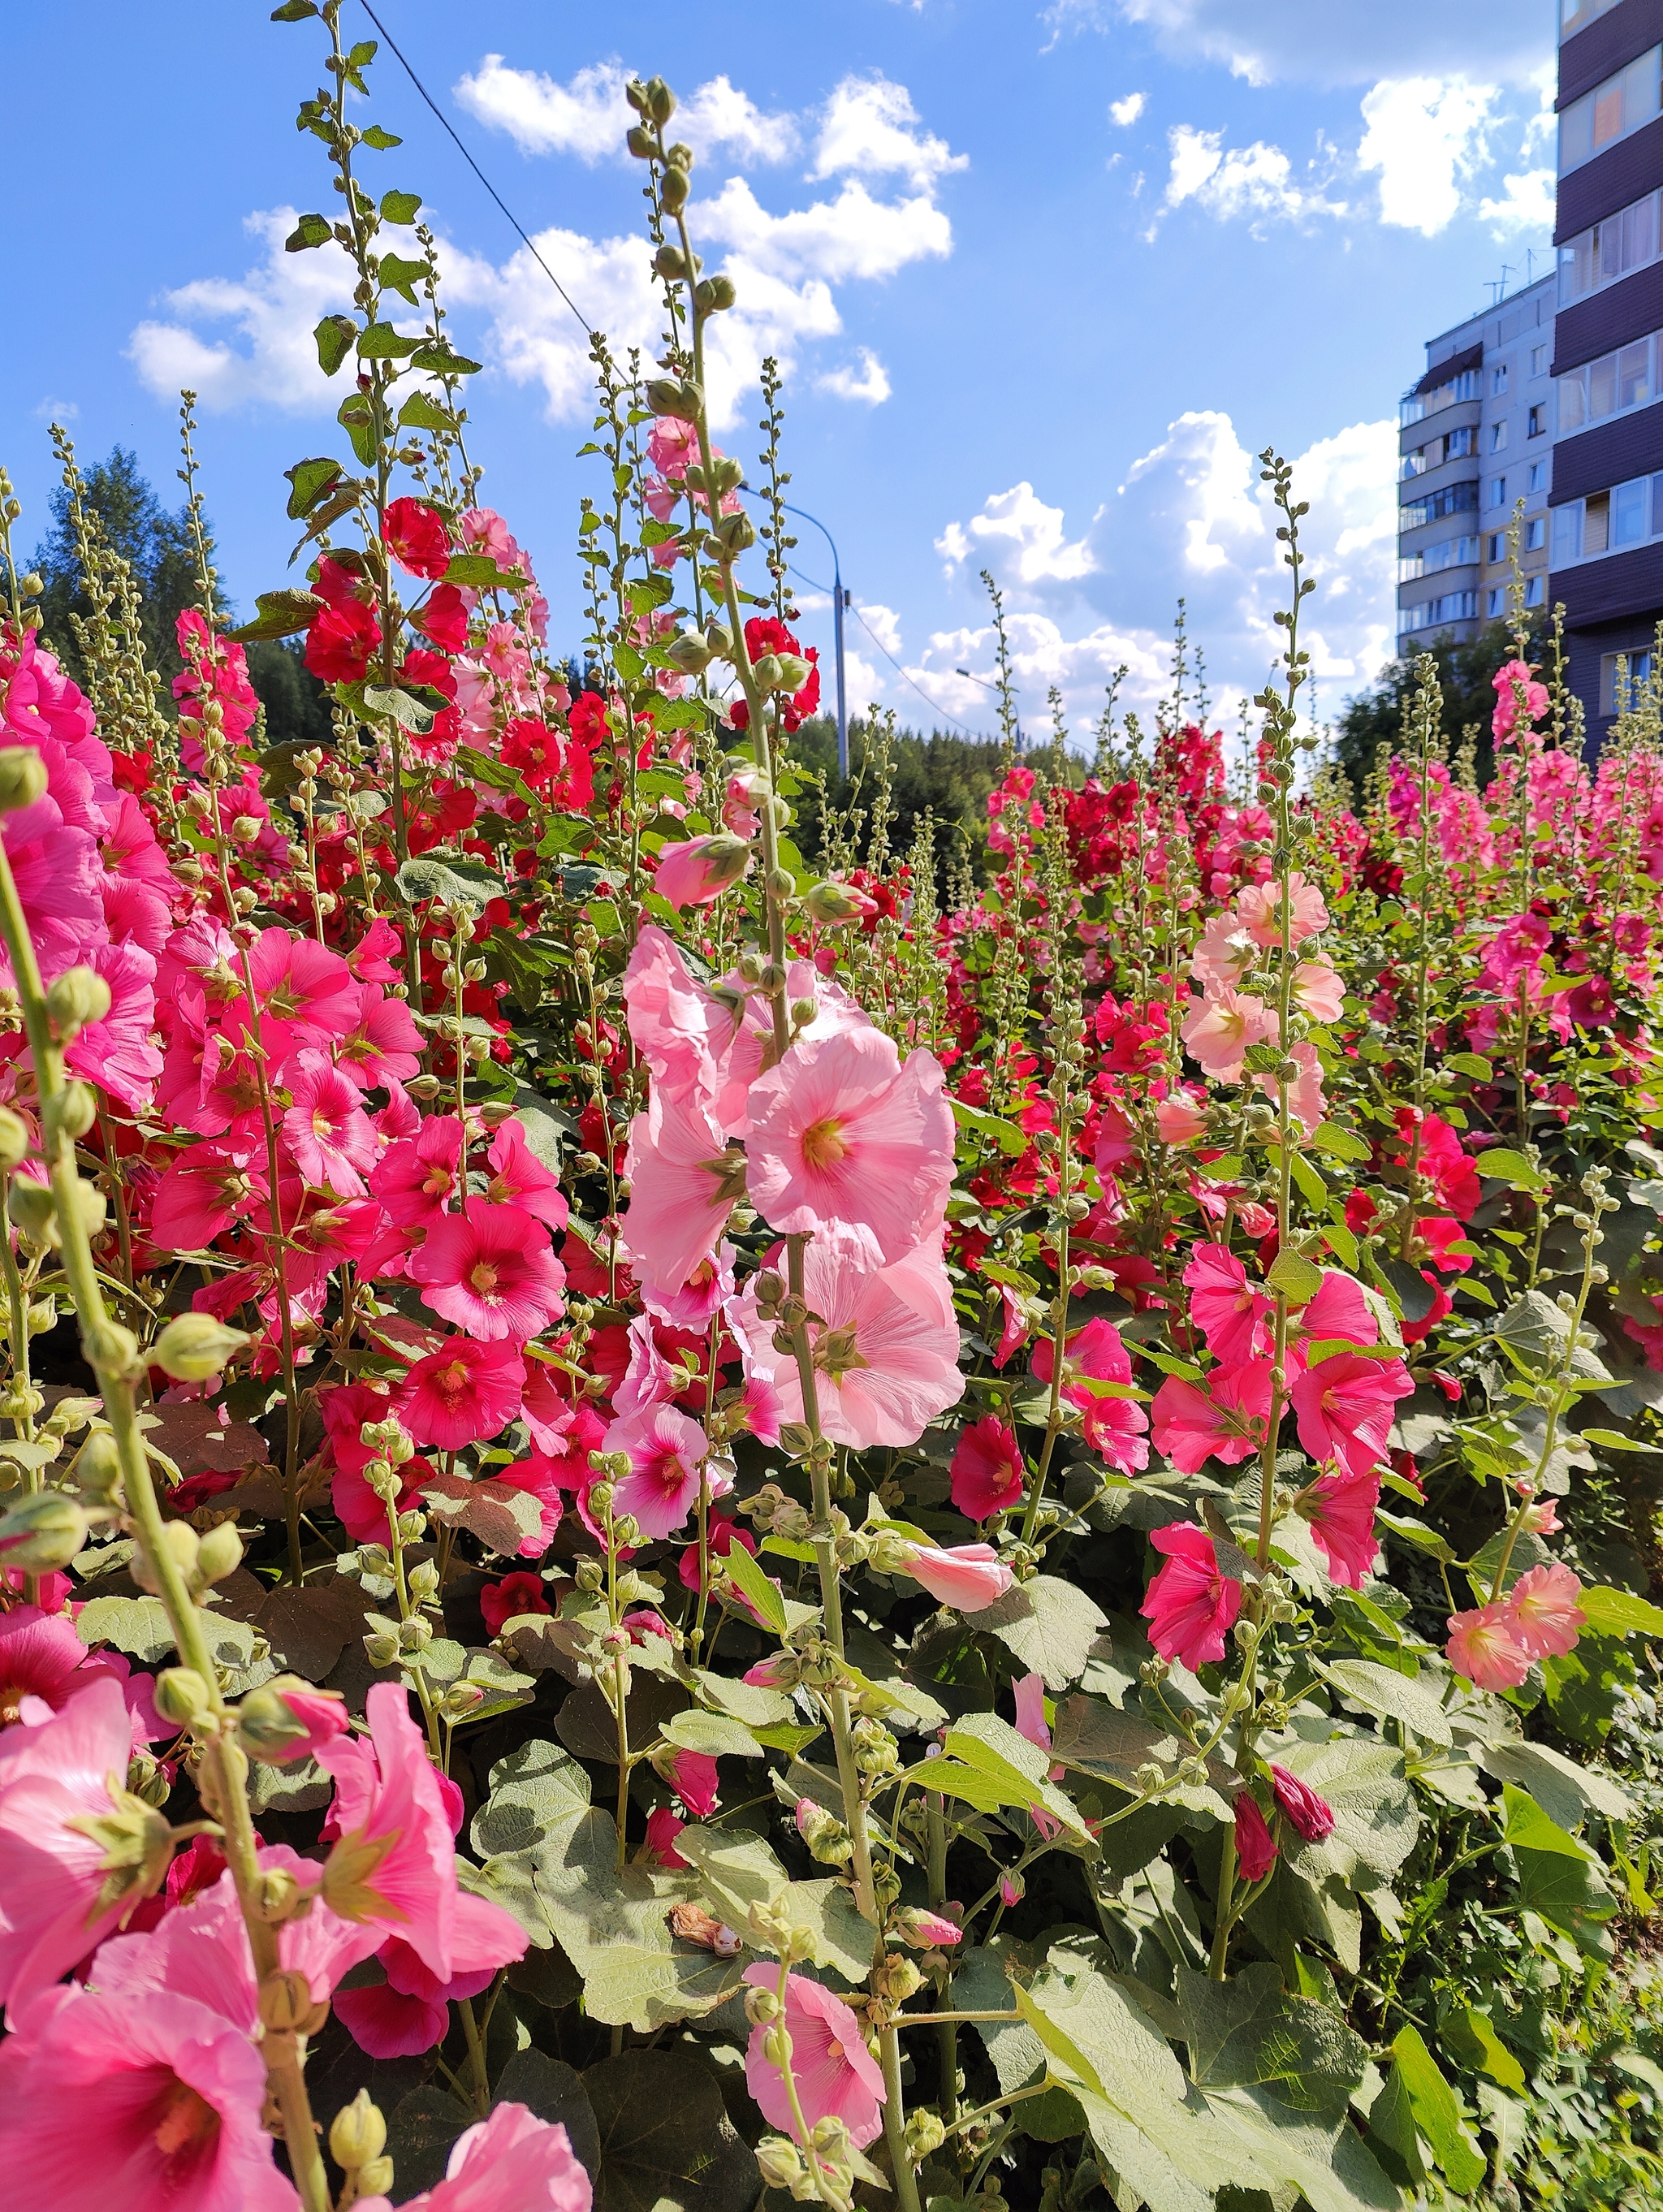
{"points": [[1344, 1407], [463, 1394], [1222, 1420], [326, 1130], [1219, 1032], [490, 1270], [1259, 909], [1015, 1328], [116, 1051], [520, 1178], [836, 2074], [683, 1182], [1234, 1317], [673, 1023], [986, 1473], [43, 1664], [409, 2012], [1340, 1508], [700, 1298], [383, 1044], [1305, 1100], [511, 1597], [394, 1864], [1484, 1646], [1546, 1618], [1012, 1890], [511, 2162], [418, 1176], [649, 1377], [663, 1826], [887, 1356], [665, 1449], [1191, 1606], [159, 2103], [1340, 1310], [1115, 1427], [304, 985], [59, 1900], [1224, 955], [321, 1715], [1179, 1121], [692, 1775], [1513, 678], [1543, 1518], [723, 1534], [1318, 990], [201, 1192], [1028, 1690], [1307, 1814], [694, 874], [1255, 1846], [968, 1577], [416, 538], [847, 1139]]}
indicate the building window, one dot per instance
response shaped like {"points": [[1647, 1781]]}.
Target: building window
{"points": [[1538, 361], [1623, 242], [1616, 384], [1498, 378], [1537, 479], [1498, 491], [1498, 436], [1495, 601], [1496, 548], [1453, 606], [1458, 445], [1533, 589], [1575, 16], [1452, 499], [1622, 105], [1536, 420], [1417, 405], [1535, 533], [1627, 514], [1635, 669]]}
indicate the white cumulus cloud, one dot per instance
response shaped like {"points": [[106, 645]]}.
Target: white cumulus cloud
{"points": [[1016, 533], [1425, 137], [1255, 181], [1125, 112], [1526, 206], [589, 116], [869, 127], [870, 383]]}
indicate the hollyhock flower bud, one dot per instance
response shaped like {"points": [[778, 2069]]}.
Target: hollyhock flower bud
{"points": [[968, 1576], [925, 2134], [925, 1931], [1012, 1890], [43, 1533], [77, 997], [287, 1719], [23, 778], [181, 1697], [14, 1140], [33, 1212], [823, 1832], [358, 2134], [219, 1554], [831, 904], [1255, 1846], [194, 1347], [1309, 1815], [781, 2164], [696, 872]]}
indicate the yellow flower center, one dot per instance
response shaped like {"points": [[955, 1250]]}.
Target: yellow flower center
{"points": [[483, 1279], [825, 1144], [184, 2120]]}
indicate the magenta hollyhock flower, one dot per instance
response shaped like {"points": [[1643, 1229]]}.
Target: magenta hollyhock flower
{"points": [[463, 1394], [56, 1898], [512, 2162], [1486, 1646], [409, 2012], [116, 1051], [665, 1449], [700, 1298], [158, 2103], [925, 1931], [1191, 1606], [692, 1775], [513, 1594], [1340, 1508], [1307, 1814], [836, 2077], [417, 1177], [1340, 1310], [394, 1864], [1512, 679], [383, 1044], [887, 1355], [696, 872], [520, 1178], [306, 986], [1220, 1031], [648, 1378], [1547, 1618], [663, 1826], [490, 1270], [987, 1471], [724, 1534], [847, 1140], [325, 1130], [683, 1186], [202, 1193], [1223, 1419], [968, 1577], [1344, 1406], [1255, 1846], [1114, 1427], [1233, 1315]]}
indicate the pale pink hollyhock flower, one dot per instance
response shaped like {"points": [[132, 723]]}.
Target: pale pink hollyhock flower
{"points": [[649, 1379], [1028, 1690], [968, 1577], [673, 1023], [702, 869], [58, 1900], [1546, 1618], [1255, 1846], [682, 1185], [1305, 1100], [1344, 1407], [490, 1270], [1219, 1032], [1234, 1315], [394, 1864], [1191, 1424], [1259, 909], [846, 1138], [462, 1394], [326, 1131], [836, 2077], [1307, 1814], [1543, 1518], [1318, 990], [1484, 1646], [512, 2162], [888, 1353], [154, 2107], [986, 1472], [1224, 955], [1340, 1508], [1190, 1606], [692, 1776], [1179, 1120], [663, 1826], [520, 1178], [744, 1043], [665, 1449]]}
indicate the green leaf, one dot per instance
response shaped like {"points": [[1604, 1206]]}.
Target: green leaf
{"points": [[1395, 1697], [1344, 1246], [1310, 1180], [1566, 1789], [1299, 1279], [1485, 2051], [533, 1793], [309, 481], [443, 362], [553, 2091], [1006, 1135], [1559, 1877], [381, 342], [1343, 1143], [311, 230], [335, 335], [281, 614], [402, 276], [717, 1734], [137, 1624], [378, 139], [1018, 2058], [1503, 1165], [400, 206], [666, 2138], [756, 1586], [1245, 2030], [421, 413], [1017, 1768], [1470, 1063], [1618, 1612], [1376, 1818], [1614, 1440], [1437, 2114], [1049, 1625], [500, 1517], [736, 1871], [294, 11], [477, 569]]}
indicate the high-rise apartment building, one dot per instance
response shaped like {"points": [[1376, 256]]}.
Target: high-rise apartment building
{"points": [[1477, 438], [1608, 498]]}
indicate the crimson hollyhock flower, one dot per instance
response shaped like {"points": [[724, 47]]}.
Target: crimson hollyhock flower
{"points": [[1255, 1846], [1224, 1419], [724, 1533], [533, 751], [462, 1394], [490, 1270], [986, 1472], [1340, 1508], [443, 617], [416, 538], [1344, 1407], [663, 1826], [514, 1594], [692, 1775], [341, 641], [1191, 1606], [1307, 1814], [418, 1176]]}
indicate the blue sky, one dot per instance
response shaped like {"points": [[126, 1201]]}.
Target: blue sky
{"points": [[1045, 277]]}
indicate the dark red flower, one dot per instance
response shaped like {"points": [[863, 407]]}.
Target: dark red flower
{"points": [[443, 616], [340, 642]]}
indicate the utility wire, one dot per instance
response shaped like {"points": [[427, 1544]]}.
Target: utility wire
{"points": [[893, 662], [444, 123]]}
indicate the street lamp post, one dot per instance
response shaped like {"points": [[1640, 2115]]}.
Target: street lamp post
{"points": [[840, 600]]}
